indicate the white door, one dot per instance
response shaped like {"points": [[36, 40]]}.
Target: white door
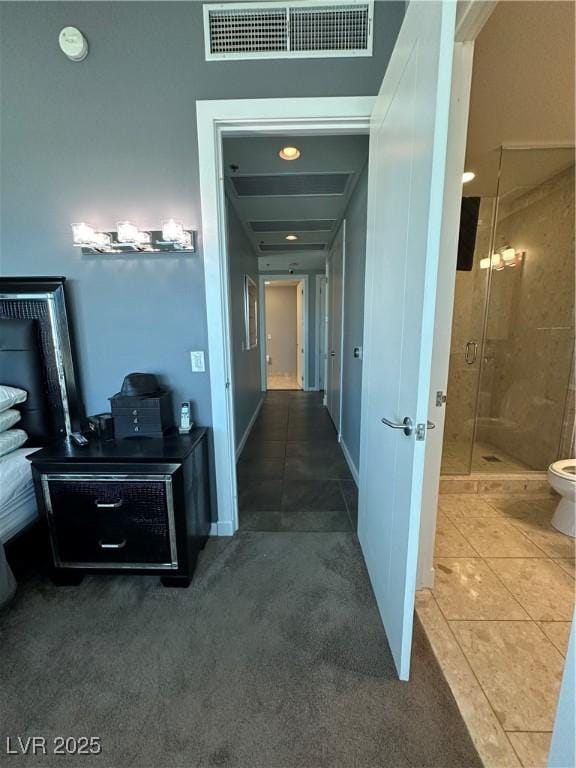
{"points": [[408, 140], [300, 334], [335, 314]]}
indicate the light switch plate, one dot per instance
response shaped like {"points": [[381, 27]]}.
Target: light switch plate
{"points": [[197, 360]]}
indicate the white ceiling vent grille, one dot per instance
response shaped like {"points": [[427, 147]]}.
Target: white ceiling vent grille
{"points": [[273, 30], [291, 184]]}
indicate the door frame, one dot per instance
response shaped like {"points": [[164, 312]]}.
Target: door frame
{"points": [[342, 231], [262, 321], [320, 331], [326, 115], [217, 119]]}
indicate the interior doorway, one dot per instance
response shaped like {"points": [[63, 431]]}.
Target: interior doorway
{"points": [[285, 314], [422, 230]]}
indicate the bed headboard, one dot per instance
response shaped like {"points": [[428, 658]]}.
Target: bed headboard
{"points": [[43, 301]]}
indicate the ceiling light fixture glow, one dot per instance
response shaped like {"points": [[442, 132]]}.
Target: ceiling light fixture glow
{"points": [[468, 176], [291, 237], [289, 153]]}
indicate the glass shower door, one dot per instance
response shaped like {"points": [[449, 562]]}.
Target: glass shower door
{"points": [[524, 417], [470, 298]]}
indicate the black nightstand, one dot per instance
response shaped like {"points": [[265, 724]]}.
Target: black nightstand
{"points": [[138, 505]]}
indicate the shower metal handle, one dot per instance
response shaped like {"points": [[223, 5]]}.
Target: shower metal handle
{"points": [[471, 352]]}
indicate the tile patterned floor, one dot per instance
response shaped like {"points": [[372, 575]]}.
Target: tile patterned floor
{"points": [[282, 381], [456, 459], [292, 474], [499, 618]]}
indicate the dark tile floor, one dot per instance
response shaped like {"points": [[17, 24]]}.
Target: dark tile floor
{"points": [[292, 474]]}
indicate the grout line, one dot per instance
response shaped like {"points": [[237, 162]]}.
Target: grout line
{"points": [[525, 621], [465, 657]]}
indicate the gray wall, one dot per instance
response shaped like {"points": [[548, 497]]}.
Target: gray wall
{"points": [[281, 327], [354, 316], [245, 362], [114, 137]]}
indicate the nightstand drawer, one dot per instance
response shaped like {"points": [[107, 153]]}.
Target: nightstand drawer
{"points": [[120, 521]]}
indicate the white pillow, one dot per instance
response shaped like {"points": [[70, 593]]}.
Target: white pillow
{"points": [[11, 440], [9, 418], [10, 396]]}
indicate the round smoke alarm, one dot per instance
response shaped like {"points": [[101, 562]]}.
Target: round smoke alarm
{"points": [[73, 44]]}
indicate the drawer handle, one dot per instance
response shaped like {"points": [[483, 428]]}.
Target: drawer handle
{"points": [[112, 544], [108, 504]]}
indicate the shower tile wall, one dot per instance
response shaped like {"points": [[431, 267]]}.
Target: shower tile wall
{"points": [[469, 302], [529, 348]]}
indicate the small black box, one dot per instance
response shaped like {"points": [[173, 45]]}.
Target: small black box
{"points": [[142, 415]]}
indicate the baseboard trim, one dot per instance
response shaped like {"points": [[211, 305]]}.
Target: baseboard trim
{"points": [[352, 466], [225, 529], [248, 429]]}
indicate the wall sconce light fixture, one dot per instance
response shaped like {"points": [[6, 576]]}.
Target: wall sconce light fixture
{"points": [[129, 238], [505, 257]]}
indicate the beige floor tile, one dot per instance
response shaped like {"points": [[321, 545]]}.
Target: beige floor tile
{"points": [[532, 748], [558, 632], [466, 588], [466, 505], [518, 668], [486, 732], [551, 541], [568, 565], [454, 484], [540, 586], [521, 506], [450, 542], [496, 538]]}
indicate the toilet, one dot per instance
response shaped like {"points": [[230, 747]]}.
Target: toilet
{"points": [[562, 477]]}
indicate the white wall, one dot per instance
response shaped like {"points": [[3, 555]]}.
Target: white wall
{"points": [[281, 329]]}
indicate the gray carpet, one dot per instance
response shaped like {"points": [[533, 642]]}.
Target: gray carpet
{"points": [[274, 658]]}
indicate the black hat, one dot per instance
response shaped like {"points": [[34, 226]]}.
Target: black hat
{"points": [[140, 384]]}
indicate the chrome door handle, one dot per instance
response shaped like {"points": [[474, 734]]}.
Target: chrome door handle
{"points": [[471, 353], [112, 545], [406, 424], [108, 504]]}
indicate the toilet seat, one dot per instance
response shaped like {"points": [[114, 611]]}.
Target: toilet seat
{"points": [[565, 468]]}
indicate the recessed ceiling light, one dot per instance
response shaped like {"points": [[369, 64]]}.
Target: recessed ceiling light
{"points": [[289, 153], [468, 176], [291, 237]]}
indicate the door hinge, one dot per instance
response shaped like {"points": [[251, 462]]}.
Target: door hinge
{"points": [[440, 398]]}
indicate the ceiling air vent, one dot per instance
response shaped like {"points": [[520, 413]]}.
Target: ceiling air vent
{"points": [[285, 248], [311, 28], [304, 225], [291, 184]]}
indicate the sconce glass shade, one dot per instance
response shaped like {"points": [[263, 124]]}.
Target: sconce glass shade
{"points": [[485, 263], [143, 238], [83, 234], [509, 254], [186, 241], [173, 231], [102, 240], [127, 232]]}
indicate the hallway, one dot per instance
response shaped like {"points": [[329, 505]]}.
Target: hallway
{"points": [[292, 474]]}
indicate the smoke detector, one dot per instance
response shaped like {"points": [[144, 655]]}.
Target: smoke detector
{"points": [[73, 44]]}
